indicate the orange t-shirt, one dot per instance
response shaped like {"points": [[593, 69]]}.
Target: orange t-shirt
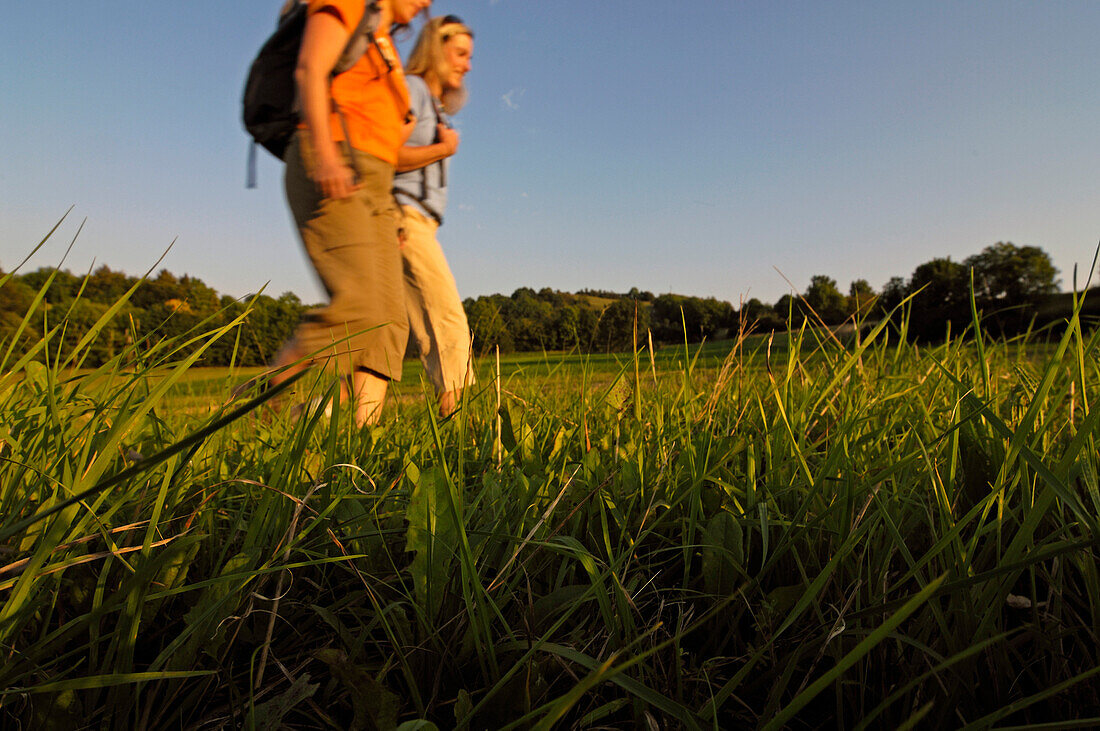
{"points": [[373, 98]]}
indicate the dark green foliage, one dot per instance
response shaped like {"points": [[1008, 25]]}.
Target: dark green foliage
{"points": [[488, 325], [676, 317], [1012, 275], [590, 321], [826, 300], [1012, 286], [616, 328], [164, 306], [1013, 289], [944, 300], [893, 292], [861, 298], [759, 317]]}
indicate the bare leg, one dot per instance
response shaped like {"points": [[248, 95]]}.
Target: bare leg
{"points": [[368, 392], [288, 354], [448, 402]]}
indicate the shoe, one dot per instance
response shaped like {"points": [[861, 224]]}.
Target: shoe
{"points": [[300, 410], [258, 383]]}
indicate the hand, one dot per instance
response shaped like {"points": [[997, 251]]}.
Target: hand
{"points": [[448, 138], [407, 128], [334, 178]]}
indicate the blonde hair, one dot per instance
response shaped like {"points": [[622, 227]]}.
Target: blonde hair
{"points": [[427, 58]]}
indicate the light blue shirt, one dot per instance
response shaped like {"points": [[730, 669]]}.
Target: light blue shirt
{"points": [[424, 188]]}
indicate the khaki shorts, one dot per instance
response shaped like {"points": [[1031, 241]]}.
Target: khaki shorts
{"points": [[352, 243], [437, 320]]}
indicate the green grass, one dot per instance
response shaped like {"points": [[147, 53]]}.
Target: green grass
{"points": [[772, 532]]}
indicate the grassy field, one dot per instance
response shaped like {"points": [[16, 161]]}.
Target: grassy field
{"points": [[771, 532]]}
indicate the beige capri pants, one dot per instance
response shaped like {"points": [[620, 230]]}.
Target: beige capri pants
{"points": [[352, 243], [437, 320]]}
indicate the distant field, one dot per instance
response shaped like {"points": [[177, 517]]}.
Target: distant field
{"points": [[202, 389]]}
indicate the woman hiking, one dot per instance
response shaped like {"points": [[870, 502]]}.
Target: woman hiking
{"points": [[435, 72], [339, 178]]}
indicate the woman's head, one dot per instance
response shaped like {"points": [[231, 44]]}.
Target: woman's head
{"points": [[442, 57]]}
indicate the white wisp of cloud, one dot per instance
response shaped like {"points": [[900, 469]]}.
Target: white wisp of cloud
{"points": [[510, 99]]}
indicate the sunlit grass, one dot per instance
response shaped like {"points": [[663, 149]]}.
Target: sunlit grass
{"points": [[781, 530]]}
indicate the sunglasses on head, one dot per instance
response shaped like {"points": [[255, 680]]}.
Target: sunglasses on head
{"points": [[451, 33]]}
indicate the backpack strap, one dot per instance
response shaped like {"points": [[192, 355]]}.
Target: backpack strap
{"points": [[424, 170], [439, 119], [360, 39], [422, 199]]}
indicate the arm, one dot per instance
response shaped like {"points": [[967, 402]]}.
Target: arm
{"points": [[323, 42], [413, 157]]}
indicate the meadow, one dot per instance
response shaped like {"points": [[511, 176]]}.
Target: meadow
{"points": [[793, 531]]}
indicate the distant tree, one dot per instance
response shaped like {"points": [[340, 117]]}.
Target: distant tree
{"points": [[600, 293], [158, 290], [16, 297], [940, 280], [1011, 275], [760, 317], [893, 293], [204, 300], [942, 298], [615, 331], [715, 318], [529, 320], [488, 326], [524, 292], [753, 309], [62, 289], [15, 302], [588, 322], [551, 297], [234, 346], [667, 321], [788, 311], [675, 316], [826, 300], [107, 286], [565, 328], [10, 324], [861, 297], [1010, 284], [81, 316]]}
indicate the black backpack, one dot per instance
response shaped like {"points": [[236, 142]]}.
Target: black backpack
{"points": [[269, 102]]}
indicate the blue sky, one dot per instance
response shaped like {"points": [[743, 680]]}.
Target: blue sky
{"points": [[708, 148]]}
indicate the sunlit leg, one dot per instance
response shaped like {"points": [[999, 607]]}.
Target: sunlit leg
{"points": [[368, 395], [288, 354], [448, 402]]}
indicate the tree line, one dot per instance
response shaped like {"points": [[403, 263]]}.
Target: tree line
{"points": [[1012, 286], [164, 306]]}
